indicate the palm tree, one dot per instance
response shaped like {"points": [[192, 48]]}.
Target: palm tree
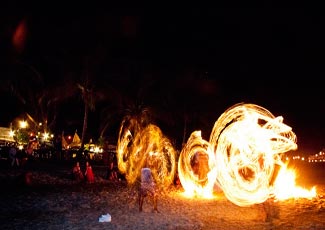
{"points": [[134, 104], [37, 100], [182, 102], [127, 109], [89, 97]]}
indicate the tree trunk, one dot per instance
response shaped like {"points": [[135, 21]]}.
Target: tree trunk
{"points": [[184, 130], [84, 127]]}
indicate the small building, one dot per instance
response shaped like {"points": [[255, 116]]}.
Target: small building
{"points": [[6, 136]]}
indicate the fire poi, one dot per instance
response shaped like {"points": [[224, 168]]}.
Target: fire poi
{"points": [[197, 166], [248, 142], [146, 147], [242, 157]]}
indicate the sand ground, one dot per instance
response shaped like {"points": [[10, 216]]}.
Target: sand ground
{"points": [[54, 201]]}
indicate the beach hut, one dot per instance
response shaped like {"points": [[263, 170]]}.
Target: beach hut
{"points": [[76, 142]]}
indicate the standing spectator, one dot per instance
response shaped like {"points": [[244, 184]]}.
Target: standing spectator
{"points": [[30, 151], [22, 156], [106, 159], [112, 172], [58, 147], [13, 156], [77, 173], [89, 174]]}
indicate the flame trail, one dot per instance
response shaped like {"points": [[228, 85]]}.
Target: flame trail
{"points": [[247, 140], [242, 157], [196, 166], [146, 148]]}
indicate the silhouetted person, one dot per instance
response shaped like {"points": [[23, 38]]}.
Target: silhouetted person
{"points": [[58, 147], [13, 156]]}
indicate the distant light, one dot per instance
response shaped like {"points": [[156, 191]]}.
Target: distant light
{"points": [[23, 124], [11, 133], [46, 136]]}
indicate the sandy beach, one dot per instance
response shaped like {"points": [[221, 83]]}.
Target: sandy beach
{"points": [[54, 201]]}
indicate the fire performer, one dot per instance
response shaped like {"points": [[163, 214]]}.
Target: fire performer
{"points": [[147, 187]]}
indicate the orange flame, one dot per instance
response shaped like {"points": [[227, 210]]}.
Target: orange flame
{"points": [[247, 142], [146, 148], [196, 167], [242, 157], [285, 187]]}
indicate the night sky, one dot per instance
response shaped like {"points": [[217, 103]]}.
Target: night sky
{"points": [[202, 60]]}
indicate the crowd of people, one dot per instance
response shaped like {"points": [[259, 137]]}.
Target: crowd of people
{"points": [[82, 171], [18, 157], [110, 162], [88, 175]]}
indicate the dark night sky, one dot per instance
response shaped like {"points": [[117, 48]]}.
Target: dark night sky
{"points": [[263, 54]]}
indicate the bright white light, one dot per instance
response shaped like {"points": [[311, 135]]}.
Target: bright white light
{"points": [[11, 133], [23, 124], [46, 136]]}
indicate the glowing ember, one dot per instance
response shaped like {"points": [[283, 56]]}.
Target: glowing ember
{"points": [[146, 148], [196, 167]]}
